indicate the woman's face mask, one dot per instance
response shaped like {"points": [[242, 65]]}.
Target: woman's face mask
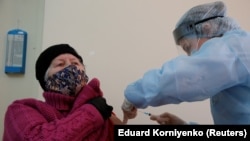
{"points": [[67, 81]]}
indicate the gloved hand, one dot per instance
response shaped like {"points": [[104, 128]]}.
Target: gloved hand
{"points": [[167, 119], [88, 92], [129, 111], [129, 114], [102, 107]]}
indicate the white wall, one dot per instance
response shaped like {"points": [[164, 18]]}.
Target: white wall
{"points": [[118, 39]]}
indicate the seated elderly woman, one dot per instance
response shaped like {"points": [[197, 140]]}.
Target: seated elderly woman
{"points": [[74, 109]]}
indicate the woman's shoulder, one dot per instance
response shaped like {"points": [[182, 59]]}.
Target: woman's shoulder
{"points": [[26, 102]]}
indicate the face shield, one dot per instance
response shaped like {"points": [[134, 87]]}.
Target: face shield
{"points": [[186, 38]]}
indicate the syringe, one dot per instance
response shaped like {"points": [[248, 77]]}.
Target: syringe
{"points": [[146, 113]]}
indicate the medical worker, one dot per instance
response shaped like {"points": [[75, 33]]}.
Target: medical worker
{"points": [[216, 67]]}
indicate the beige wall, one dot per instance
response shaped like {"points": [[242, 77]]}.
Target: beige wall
{"points": [[29, 14], [118, 39], [121, 39]]}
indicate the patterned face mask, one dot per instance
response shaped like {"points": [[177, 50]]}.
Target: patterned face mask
{"points": [[66, 81]]}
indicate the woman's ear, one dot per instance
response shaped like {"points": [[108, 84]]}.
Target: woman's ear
{"points": [[207, 29]]}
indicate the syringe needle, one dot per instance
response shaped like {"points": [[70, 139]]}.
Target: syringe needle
{"points": [[146, 113]]}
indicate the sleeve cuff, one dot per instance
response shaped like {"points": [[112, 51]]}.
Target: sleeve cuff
{"points": [[127, 106]]}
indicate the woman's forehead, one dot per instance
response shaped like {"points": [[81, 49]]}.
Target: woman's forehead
{"points": [[66, 56]]}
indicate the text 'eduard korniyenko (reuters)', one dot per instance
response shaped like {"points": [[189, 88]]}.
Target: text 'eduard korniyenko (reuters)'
{"points": [[177, 132]]}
